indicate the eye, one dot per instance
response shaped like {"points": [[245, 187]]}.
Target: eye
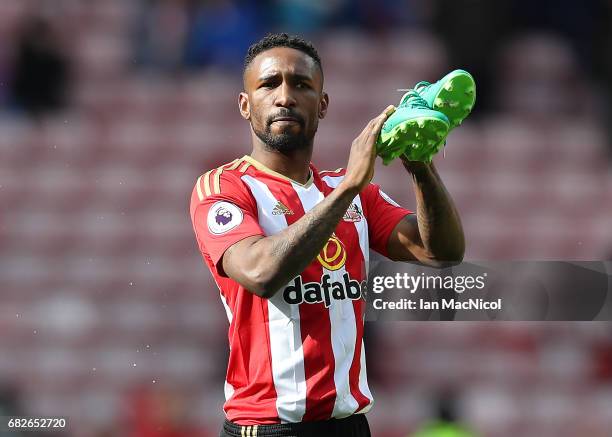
{"points": [[270, 83]]}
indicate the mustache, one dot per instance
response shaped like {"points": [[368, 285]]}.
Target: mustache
{"points": [[286, 113]]}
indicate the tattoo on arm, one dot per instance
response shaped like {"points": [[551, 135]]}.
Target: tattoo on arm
{"points": [[438, 220], [296, 246]]}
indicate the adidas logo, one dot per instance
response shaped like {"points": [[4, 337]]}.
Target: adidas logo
{"points": [[352, 214], [280, 208]]}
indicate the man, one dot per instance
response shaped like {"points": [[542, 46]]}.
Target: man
{"points": [[288, 246]]}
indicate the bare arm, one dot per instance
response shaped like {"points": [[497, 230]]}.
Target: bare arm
{"points": [[264, 264], [434, 234]]}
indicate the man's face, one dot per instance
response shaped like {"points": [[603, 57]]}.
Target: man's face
{"points": [[283, 98]]}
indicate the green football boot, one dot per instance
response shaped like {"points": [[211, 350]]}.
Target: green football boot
{"points": [[454, 95], [414, 130]]}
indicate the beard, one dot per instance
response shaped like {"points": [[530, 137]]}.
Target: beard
{"points": [[285, 141]]}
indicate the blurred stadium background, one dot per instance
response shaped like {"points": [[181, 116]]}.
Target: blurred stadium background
{"points": [[112, 109]]}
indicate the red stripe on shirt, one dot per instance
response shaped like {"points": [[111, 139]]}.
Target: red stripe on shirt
{"points": [[355, 268], [319, 363]]}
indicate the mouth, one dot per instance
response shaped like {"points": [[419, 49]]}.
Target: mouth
{"points": [[286, 120]]}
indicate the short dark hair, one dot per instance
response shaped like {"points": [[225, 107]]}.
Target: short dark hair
{"points": [[273, 40]]}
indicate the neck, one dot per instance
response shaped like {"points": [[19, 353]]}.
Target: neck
{"points": [[293, 164]]}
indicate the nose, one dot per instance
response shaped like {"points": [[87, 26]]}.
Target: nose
{"points": [[284, 97]]}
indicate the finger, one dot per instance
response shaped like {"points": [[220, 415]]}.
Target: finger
{"points": [[375, 125], [388, 111], [382, 117], [380, 120], [368, 127]]}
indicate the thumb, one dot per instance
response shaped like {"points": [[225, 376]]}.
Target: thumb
{"points": [[380, 120]]}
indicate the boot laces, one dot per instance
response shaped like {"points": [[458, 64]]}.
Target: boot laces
{"points": [[414, 100], [421, 85]]}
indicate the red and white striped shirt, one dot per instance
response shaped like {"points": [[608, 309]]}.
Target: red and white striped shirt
{"points": [[299, 355]]}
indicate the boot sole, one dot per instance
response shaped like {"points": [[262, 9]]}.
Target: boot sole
{"points": [[418, 138], [456, 98]]}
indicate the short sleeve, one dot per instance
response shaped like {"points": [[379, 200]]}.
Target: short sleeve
{"points": [[382, 214], [222, 219]]}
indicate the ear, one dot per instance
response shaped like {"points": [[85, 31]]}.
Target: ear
{"points": [[244, 106], [323, 104]]}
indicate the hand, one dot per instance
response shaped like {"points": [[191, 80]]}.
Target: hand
{"points": [[360, 167]]}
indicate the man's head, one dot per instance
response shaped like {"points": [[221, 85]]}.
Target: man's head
{"points": [[283, 94]]}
